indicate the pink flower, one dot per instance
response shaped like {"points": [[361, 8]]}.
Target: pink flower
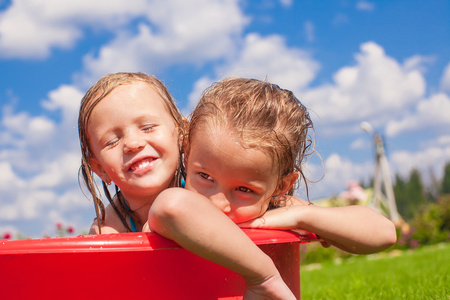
{"points": [[70, 229], [414, 244], [7, 235], [58, 225]]}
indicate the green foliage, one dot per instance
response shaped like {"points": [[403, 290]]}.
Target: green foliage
{"points": [[444, 206], [431, 224], [409, 195], [445, 187], [315, 253], [400, 196]]}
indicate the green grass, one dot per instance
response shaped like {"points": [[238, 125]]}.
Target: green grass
{"points": [[423, 273]]}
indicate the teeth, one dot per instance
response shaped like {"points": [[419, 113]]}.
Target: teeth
{"points": [[141, 165]]}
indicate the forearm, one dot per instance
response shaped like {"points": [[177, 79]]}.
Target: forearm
{"points": [[355, 229], [198, 226]]}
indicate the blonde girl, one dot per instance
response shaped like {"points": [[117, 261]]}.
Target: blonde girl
{"points": [[129, 128], [244, 150]]}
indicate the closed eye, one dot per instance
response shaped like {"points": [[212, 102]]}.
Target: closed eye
{"points": [[148, 128], [111, 143]]}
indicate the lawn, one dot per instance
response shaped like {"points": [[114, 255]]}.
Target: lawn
{"points": [[415, 274]]}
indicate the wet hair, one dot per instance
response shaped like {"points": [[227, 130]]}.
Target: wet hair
{"points": [[263, 116], [94, 95]]}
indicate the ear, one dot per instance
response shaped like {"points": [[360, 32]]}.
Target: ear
{"points": [[286, 183], [97, 168]]}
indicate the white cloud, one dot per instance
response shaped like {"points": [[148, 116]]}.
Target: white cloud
{"points": [[22, 129], [39, 160], [340, 19], [443, 140], [31, 28], [309, 31], [360, 143], [418, 62], [67, 98], [264, 58], [199, 86], [27, 200], [432, 158], [286, 3], [58, 172], [29, 142], [429, 113], [373, 90], [445, 81], [338, 172], [365, 5], [8, 178], [270, 58], [177, 31]]}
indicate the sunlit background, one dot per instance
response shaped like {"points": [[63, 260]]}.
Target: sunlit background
{"points": [[383, 62]]}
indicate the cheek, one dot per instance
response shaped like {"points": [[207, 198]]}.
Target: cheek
{"points": [[192, 186], [174, 142], [244, 212], [261, 207]]}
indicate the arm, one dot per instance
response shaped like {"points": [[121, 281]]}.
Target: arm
{"points": [[355, 229], [197, 225]]}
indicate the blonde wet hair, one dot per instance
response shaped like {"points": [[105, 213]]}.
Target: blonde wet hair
{"points": [[94, 95], [263, 116]]}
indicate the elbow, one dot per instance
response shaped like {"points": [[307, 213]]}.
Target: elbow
{"points": [[387, 237], [385, 233], [390, 235], [168, 208], [384, 236]]}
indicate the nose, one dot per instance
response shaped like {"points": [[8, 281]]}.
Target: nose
{"points": [[133, 142], [221, 202]]}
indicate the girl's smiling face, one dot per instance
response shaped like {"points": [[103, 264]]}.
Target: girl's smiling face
{"points": [[240, 181], [134, 140]]}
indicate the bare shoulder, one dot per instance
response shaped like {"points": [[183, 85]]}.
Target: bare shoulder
{"points": [[112, 223]]}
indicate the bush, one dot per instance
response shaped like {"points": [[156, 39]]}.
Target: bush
{"points": [[430, 225], [315, 253]]}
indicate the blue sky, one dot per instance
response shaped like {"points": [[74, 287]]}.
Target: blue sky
{"points": [[385, 62]]}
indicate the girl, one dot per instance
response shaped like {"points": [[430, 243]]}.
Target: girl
{"points": [[130, 133], [244, 151], [139, 153]]}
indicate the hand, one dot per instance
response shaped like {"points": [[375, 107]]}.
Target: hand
{"points": [[273, 288]]}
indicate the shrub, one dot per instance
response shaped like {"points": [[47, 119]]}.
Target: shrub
{"points": [[432, 222]]}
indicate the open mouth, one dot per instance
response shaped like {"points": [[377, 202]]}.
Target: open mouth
{"points": [[142, 164]]}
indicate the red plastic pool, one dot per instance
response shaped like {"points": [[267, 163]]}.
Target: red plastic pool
{"points": [[132, 266]]}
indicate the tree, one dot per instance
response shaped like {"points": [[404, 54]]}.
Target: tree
{"points": [[445, 187], [409, 194], [401, 198]]}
